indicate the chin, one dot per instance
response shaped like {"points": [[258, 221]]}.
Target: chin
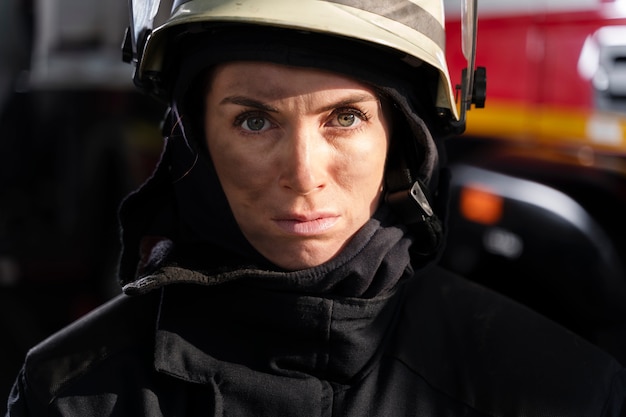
{"points": [[294, 260]]}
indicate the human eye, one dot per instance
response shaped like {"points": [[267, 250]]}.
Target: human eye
{"points": [[347, 118], [253, 122]]}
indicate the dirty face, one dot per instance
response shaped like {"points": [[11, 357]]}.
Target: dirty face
{"points": [[300, 154]]}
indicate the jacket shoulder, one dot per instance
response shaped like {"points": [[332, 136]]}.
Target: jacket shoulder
{"points": [[500, 357], [120, 324]]}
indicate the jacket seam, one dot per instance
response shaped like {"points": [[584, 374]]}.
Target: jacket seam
{"points": [[451, 398]]}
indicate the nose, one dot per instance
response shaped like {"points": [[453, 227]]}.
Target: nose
{"points": [[304, 161]]}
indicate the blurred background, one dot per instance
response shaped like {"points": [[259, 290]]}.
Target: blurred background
{"points": [[538, 190], [538, 193], [75, 138]]}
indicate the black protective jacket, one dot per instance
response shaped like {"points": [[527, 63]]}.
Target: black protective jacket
{"points": [[363, 335]]}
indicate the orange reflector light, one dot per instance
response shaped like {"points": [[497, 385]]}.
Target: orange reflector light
{"points": [[479, 205]]}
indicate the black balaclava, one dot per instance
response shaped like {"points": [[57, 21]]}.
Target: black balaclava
{"points": [[201, 210]]}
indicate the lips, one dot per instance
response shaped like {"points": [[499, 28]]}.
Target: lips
{"points": [[313, 225]]}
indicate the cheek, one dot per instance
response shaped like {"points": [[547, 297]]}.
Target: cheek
{"points": [[243, 174], [368, 165], [372, 172]]}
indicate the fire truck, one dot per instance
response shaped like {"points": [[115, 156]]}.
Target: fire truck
{"points": [[538, 189]]}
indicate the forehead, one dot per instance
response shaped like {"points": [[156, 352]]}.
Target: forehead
{"points": [[277, 80]]}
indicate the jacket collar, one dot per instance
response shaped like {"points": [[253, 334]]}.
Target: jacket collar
{"points": [[203, 332]]}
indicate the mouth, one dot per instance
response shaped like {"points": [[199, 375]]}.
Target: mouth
{"points": [[311, 226]]}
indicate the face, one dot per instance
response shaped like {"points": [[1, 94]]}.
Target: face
{"points": [[300, 154]]}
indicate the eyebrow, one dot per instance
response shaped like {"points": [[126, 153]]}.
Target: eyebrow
{"points": [[249, 102], [259, 105], [349, 101]]}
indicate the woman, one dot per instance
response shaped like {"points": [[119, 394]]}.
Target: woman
{"points": [[274, 265]]}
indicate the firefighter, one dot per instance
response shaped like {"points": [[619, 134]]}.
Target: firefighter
{"points": [[282, 260]]}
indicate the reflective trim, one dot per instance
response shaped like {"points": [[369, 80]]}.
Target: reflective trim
{"points": [[402, 11], [405, 12], [179, 3]]}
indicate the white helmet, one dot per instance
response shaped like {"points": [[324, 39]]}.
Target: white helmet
{"points": [[412, 28]]}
